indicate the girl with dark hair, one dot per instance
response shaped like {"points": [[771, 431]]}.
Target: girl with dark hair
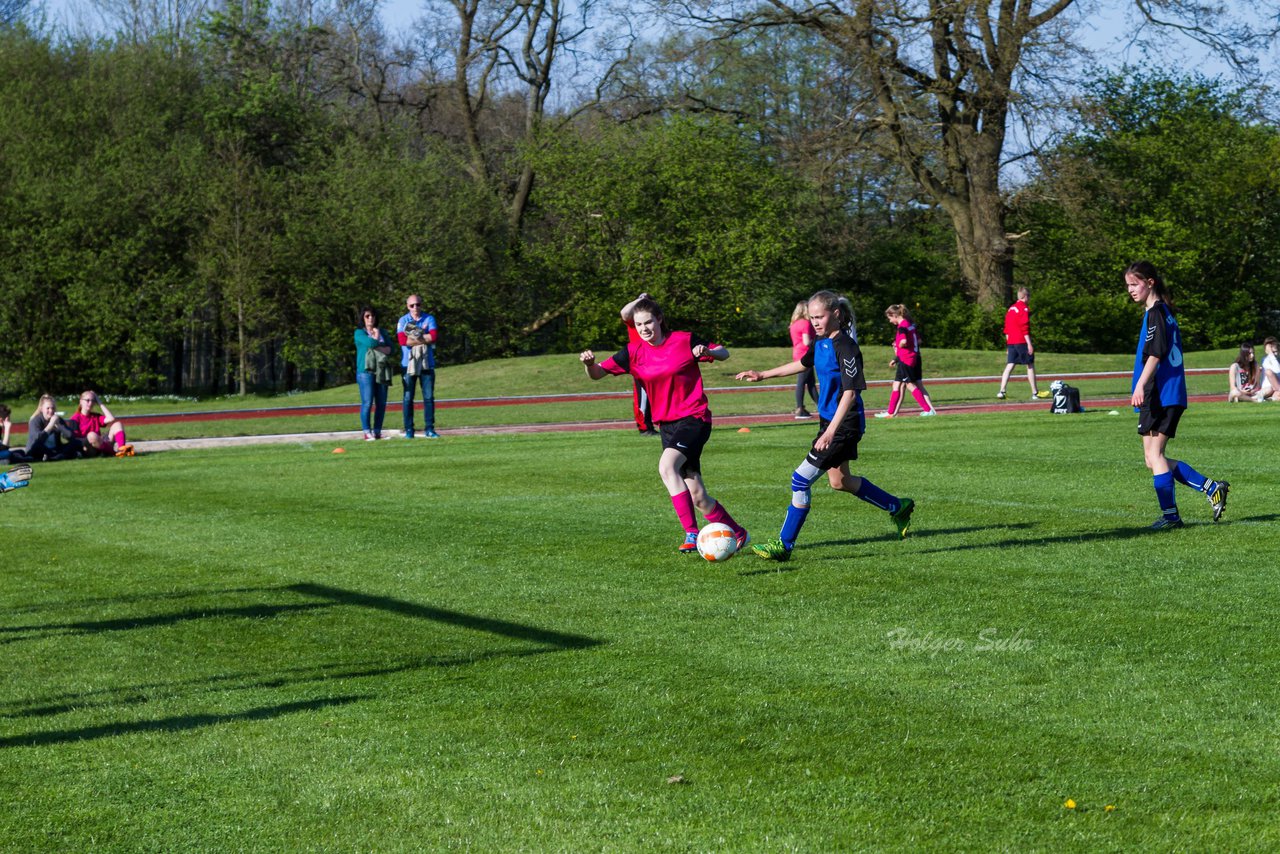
{"points": [[909, 369], [666, 363], [837, 360], [374, 372], [1160, 396], [1245, 375]]}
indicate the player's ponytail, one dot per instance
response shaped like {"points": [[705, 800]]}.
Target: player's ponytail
{"points": [[1146, 270]]}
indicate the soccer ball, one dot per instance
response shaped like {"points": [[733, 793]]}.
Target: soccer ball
{"points": [[717, 542]]}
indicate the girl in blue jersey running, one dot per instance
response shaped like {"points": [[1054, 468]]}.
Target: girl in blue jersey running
{"points": [[837, 361], [1160, 396]]}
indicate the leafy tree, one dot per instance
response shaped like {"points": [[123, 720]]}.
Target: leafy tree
{"points": [[1179, 171], [944, 79], [684, 208], [95, 212]]}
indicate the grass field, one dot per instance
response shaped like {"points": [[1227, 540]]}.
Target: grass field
{"points": [[493, 646]]}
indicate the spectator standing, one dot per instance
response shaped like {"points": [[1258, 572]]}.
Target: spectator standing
{"points": [[641, 410], [375, 368], [802, 338], [417, 333], [1018, 347]]}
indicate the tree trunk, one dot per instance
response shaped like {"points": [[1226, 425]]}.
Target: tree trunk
{"points": [[983, 247]]}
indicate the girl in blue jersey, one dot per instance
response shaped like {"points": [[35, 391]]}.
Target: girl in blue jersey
{"points": [[837, 361], [1160, 396]]}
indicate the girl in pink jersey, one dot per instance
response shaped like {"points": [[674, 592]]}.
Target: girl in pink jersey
{"points": [[907, 363], [101, 432], [666, 364]]}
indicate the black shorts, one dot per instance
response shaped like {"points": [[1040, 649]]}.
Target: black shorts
{"points": [[1159, 419], [843, 448], [1016, 354], [909, 373], [688, 436]]}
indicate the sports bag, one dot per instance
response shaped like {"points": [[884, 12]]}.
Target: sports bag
{"points": [[1066, 399]]}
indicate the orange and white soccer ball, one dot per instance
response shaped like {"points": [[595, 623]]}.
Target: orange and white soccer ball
{"points": [[717, 542]]}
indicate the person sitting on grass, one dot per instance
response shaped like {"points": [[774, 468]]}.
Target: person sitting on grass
{"points": [[1270, 370], [1245, 376], [101, 432], [48, 436], [6, 427]]}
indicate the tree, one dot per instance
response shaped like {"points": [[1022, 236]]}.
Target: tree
{"points": [[944, 79], [1179, 171], [685, 208]]}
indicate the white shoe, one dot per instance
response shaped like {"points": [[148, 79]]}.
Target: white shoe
{"points": [[929, 414], [883, 415], [1000, 395]]}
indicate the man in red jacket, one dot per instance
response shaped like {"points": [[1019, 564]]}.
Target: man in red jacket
{"points": [[1018, 346]]}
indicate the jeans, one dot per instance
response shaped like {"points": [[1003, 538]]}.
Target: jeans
{"points": [[373, 395], [427, 379]]}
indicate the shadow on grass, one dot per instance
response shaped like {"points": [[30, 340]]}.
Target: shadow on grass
{"points": [[58, 704], [442, 615], [773, 568], [924, 534], [88, 627], [332, 597], [140, 597], [180, 723]]}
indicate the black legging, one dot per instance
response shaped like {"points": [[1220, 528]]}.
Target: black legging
{"points": [[805, 380]]}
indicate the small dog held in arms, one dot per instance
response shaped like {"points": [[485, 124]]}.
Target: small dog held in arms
{"points": [[416, 340]]}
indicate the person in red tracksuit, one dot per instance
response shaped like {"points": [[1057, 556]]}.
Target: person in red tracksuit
{"points": [[1019, 349]]}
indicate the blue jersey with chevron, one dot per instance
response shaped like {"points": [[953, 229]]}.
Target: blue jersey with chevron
{"points": [[837, 362]]}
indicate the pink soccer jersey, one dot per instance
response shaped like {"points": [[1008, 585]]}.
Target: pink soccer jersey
{"points": [[906, 345], [669, 373]]}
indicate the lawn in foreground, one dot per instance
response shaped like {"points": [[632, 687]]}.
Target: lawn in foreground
{"points": [[496, 647]]}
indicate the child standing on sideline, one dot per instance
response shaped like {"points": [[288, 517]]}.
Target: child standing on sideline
{"points": [[907, 363], [837, 359], [1160, 396], [666, 363]]}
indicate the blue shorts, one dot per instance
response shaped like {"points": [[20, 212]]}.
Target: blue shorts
{"points": [[1017, 355]]}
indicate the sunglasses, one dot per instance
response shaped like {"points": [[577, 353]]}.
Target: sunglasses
{"points": [[415, 305]]}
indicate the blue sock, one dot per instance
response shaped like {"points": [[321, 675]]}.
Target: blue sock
{"points": [[877, 497], [1188, 476], [1163, 484], [791, 527]]}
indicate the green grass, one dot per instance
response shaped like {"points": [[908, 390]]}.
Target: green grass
{"points": [[488, 643], [562, 374]]}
